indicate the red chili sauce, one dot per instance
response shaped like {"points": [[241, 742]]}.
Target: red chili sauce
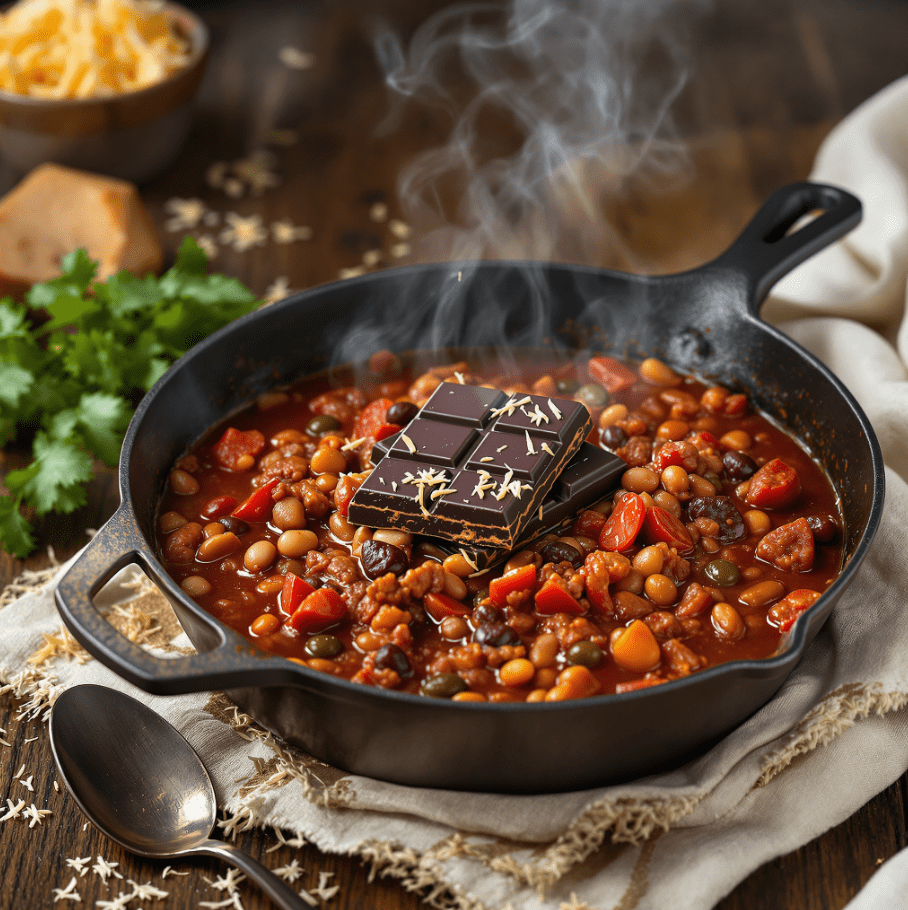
{"points": [[723, 531]]}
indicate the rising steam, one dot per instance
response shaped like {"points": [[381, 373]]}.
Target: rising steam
{"points": [[563, 103], [584, 90]]}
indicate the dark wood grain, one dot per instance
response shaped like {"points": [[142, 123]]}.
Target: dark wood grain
{"points": [[765, 83]]}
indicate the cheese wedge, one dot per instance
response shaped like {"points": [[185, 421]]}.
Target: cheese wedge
{"points": [[55, 210]]}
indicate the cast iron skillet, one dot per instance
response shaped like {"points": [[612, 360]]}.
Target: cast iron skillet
{"points": [[703, 321]]}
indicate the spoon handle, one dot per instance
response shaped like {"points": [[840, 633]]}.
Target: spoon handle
{"points": [[281, 894]]}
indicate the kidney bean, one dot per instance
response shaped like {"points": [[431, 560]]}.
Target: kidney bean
{"points": [[219, 546], [727, 621], [379, 558], [495, 634], [183, 483], [762, 593], [738, 466], [613, 437], [558, 551], [391, 657], [401, 413], [722, 510]]}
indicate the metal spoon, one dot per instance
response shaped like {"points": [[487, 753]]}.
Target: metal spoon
{"points": [[141, 783]]}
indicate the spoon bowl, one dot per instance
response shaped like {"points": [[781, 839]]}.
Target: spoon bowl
{"points": [[140, 782]]}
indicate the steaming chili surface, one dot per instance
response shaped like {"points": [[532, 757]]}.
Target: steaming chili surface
{"points": [[723, 532]]}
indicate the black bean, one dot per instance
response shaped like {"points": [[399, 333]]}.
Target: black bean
{"points": [[722, 511], [379, 558], [613, 437], [487, 613], [235, 525], [324, 646], [443, 685], [322, 424], [312, 580], [401, 413], [296, 566], [566, 386], [584, 653], [559, 551], [390, 657], [496, 634], [592, 395], [824, 527], [722, 572], [480, 596], [738, 466]]}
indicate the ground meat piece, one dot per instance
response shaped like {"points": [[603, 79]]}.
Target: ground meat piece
{"points": [[315, 502], [180, 545], [630, 606], [581, 629], [574, 579], [404, 591], [694, 601], [340, 403], [495, 657], [637, 452], [342, 567], [664, 624], [291, 468], [680, 660], [370, 675], [317, 562], [468, 657], [676, 567]]}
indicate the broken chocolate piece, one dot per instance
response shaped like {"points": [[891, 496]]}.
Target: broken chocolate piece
{"points": [[590, 477], [473, 466]]}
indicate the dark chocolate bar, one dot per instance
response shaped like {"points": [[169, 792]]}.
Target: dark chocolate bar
{"points": [[473, 466], [591, 475]]}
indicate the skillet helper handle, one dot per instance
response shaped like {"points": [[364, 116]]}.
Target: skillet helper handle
{"points": [[771, 245], [118, 544]]}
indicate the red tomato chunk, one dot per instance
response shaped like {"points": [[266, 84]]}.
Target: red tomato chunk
{"points": [[723, 534]]}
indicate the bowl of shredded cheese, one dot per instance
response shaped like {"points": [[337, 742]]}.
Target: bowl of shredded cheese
{"points": [[102, 85]]}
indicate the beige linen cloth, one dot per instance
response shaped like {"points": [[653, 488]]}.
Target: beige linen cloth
{"points": [[834, 736]]}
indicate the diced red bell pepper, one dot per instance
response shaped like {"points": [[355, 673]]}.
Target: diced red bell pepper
{"points": [[235, 444], [322, 608], [438, 606], [521, 579], [386, 430], [704, 440], [661, 526], [371, 418], [598, 594], [789, 608], [624, 524], [611, 373], [588, 524], [257, 506], [775, 486], [344, 492], [293, 593], [219, 507], [735, 405], [551, 598]]}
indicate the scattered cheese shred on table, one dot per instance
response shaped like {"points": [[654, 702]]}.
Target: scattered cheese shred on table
{"points": [[87, 48]]}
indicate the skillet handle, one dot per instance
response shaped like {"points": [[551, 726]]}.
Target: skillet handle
{"points": [[232, 662], [765, 251]]}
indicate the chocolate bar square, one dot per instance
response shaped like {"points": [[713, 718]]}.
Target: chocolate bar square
{"points": [[473, 466]]}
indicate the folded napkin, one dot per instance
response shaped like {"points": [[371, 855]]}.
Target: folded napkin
{"points": [[681, 839]]}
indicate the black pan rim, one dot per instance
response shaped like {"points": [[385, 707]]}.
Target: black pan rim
{"points": [[779, 664]]}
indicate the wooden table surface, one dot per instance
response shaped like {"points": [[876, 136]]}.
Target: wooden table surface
{"points": [[766, 80]]}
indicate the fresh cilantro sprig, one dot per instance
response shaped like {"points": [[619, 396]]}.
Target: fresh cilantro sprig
{"points": [[70, 379]]}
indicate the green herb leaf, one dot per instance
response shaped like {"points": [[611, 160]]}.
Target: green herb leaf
{"points": [[15, 532], [74, 381], [54, 481]]}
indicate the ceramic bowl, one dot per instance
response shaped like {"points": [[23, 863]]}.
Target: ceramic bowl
{"points": [[133, 135]]}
